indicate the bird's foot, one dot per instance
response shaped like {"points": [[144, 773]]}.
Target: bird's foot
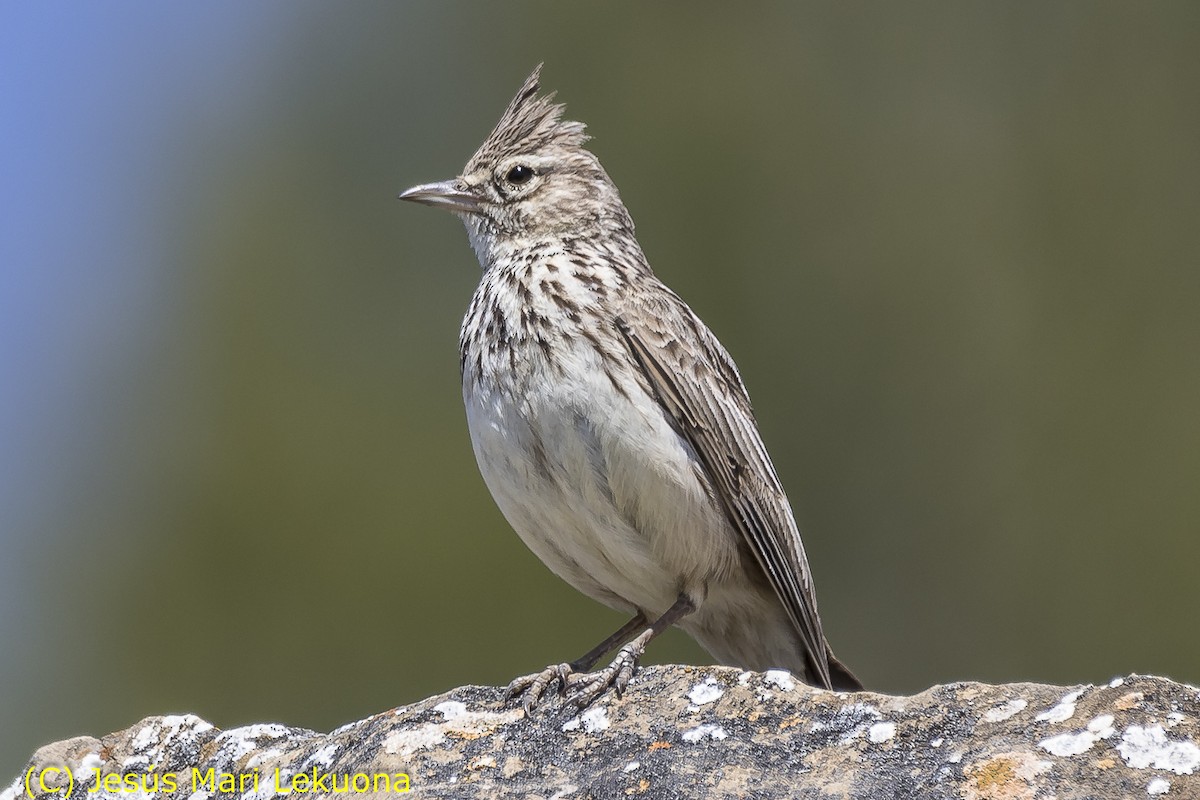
{"points": [[581, 688], [531, 688], [584, 688]]}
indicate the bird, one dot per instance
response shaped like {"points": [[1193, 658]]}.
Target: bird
{"points": [[610, 425]]}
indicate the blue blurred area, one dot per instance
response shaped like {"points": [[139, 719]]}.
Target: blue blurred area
{"points": [[99, 103], [952, 248]]}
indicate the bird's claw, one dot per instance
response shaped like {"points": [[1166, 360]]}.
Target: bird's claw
{"points": [[585, 689], [533, 687], [580, 689]]}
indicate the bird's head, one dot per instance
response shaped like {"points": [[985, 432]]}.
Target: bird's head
{"points": [[530, 181]]}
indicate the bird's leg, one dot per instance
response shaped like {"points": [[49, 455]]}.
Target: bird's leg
{"points": [[589, 659], [617, 675], [534, 686]]}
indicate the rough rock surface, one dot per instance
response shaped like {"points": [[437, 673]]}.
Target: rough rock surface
{"points": [[679, 732]]}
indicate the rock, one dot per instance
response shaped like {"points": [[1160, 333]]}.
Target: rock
{"points": [[710, 732]]}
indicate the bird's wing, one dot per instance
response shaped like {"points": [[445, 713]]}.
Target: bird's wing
{"points": [[701, 391]]}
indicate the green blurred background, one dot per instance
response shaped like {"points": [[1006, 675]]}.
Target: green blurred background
{"points": [[952, 246]]}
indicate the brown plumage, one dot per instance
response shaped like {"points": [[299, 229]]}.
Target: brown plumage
{"points": [[611, 426]]}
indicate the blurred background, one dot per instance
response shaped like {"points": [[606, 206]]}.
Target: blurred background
{"points": [[953, 248]]}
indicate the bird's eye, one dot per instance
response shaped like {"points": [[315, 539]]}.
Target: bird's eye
{"points": [[519, 175]]}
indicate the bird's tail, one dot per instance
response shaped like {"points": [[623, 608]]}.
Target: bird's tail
{"points": [[840, 676]]}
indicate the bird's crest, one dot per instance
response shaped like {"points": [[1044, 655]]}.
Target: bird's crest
{"points": [[529, 123]]}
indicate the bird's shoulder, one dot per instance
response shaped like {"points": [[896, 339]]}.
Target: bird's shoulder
{"points": [[657, 320]]}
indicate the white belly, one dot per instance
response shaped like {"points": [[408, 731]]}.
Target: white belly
{"points": [[598, 485]]}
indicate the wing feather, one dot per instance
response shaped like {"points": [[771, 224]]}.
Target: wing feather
{"points": [[700, 389]]}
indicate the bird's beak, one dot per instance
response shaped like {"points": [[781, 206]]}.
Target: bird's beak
{"points": [[443, 194]]}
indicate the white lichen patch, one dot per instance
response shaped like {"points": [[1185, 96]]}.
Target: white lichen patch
{"points": [[881, 731], [263, 757], [349, 726], [184, 724], [137, 763], [473, 723], [161, 734], [1063, 711], [631, 766], [780, 679], [706, 692], [457, 720], [593, 720], [1068, 744], [144, 738], [1005, 710], [1151, 747], [324, 756], [1158, 786], [90, 762], [1073, 744], [701, 732], [268, 788], [936, 742], [422, 737], [1102, 726], [238, 742], [451, 709], [855, 719]]}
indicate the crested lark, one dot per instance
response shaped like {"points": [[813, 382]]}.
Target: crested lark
{"points": [[611, 426]]}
